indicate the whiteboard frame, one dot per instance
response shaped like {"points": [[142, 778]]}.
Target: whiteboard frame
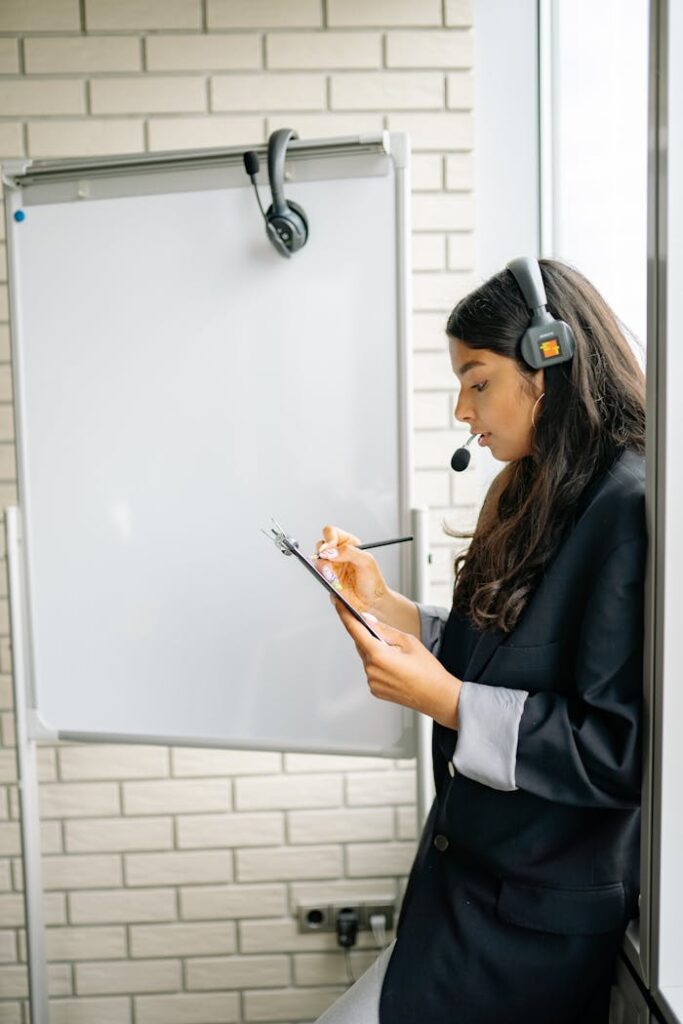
{"points": [[64, 180]]}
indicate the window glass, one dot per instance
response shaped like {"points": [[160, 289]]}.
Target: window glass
{"points": [[599, 74]]}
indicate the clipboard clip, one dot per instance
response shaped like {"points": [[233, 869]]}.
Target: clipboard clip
{"points": [[279, 538]]}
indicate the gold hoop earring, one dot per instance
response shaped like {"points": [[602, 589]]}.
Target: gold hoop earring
{"points": [[533, 424]]}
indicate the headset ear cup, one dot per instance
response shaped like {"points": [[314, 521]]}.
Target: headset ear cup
{"points": [[547, 344], [292, 223], [303, 225], [546, 341], [276, 240], [299, 223]]}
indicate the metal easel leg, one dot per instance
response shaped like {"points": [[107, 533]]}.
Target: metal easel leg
{"points": [[27, 771], [423, 724]]}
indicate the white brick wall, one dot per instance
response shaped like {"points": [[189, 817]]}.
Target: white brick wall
{"points": [[324, 50], [204, 52], [151, 15], [211, 830], [171, 876], [275, 91], [187, 1009], [39, 16], [106, 977], [81, 54], [126, 906], [183, 939], [264, 14]]}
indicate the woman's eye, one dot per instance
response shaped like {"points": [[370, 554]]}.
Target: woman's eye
{"points": [[480, 387]]}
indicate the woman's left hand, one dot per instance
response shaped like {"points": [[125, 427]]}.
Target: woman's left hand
{"points": [[402, 670]]}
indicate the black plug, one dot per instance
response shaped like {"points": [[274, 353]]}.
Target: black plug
{"points": [[347, 927]]}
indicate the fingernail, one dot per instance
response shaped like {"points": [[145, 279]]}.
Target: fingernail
{"points": [[328, 553], [331, 577], [370, 617]]}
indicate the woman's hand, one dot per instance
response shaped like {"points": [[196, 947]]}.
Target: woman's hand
{"points": [[357, 571], [403, 671]]}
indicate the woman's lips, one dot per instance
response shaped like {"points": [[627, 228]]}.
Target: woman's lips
{"points": [[483, 440]]}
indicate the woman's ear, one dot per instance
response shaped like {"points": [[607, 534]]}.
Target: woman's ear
{"points": [[539, 382]]}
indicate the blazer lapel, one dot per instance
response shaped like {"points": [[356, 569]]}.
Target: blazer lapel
{"points": [[485, 648]]}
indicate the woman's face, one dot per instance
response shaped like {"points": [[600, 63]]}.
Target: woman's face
{"points": [[495, 399]]}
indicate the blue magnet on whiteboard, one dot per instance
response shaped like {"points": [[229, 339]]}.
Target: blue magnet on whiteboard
{"points": [[19, 216]]}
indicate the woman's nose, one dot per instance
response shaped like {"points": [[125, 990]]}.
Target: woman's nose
{"points": [[460, 411]]}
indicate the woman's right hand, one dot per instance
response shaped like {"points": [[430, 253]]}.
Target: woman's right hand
{"points": [[357, 571]]}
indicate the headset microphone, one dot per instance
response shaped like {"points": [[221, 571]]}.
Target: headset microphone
{"points": [[251, 166], [461, 457]]}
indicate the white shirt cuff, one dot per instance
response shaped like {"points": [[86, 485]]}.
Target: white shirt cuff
{"points": [[488, 731], [432, 624]]}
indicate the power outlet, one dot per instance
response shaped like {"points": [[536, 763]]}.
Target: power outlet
{"points": [[315, 919], [322, 917], [371, 909]]}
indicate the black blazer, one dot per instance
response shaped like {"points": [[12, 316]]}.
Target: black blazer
{"points": [[561, 852]]}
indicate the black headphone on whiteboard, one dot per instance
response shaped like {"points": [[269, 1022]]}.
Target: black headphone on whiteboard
{"points": [[546, 340], [286, 222]]}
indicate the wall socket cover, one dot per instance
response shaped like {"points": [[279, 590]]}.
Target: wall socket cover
{"points": [[322, 917]]}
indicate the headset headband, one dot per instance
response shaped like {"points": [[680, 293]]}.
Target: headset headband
{"points": [[277, 151]]}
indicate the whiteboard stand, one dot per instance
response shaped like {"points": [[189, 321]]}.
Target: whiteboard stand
{"points": [[27, 771], [423, 725]]}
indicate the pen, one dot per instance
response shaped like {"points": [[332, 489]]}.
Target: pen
{"points": [[379, 543]]}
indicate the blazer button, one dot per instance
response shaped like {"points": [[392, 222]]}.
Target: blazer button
{"points": [[441, 843], [451, 769]]}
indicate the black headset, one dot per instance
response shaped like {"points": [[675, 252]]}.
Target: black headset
{"points": [[286, 222], [546, 340]]}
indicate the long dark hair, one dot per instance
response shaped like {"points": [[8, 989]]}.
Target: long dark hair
{"points": [[594, 407]]}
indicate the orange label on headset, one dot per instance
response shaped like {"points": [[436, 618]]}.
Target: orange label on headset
{"points": [[550, 348]]}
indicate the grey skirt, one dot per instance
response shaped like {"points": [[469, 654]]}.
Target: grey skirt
{"points": [[360, 1003]]}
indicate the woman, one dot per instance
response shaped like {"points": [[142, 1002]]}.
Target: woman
{"points": [[527, 870]]}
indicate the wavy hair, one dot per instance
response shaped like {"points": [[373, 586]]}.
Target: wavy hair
{"points": [[594, 407]]}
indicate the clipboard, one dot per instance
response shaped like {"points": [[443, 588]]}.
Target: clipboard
{"points": [[288, 546]]}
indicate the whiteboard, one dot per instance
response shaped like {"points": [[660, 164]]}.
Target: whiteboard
{"points": [[177, 382]]}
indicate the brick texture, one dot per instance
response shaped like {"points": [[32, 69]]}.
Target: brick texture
{"points": [[172, 876]]}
